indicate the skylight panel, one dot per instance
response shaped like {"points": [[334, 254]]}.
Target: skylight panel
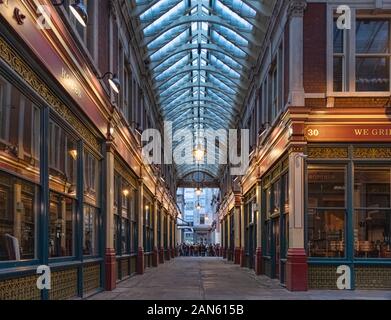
{"points": [[221, 84], [165, 19], [231, 35], [221, 41], [170, 46], [177, 65], [166, 37], [170, 61], [156, 10], [231, 16], [225, 63]]}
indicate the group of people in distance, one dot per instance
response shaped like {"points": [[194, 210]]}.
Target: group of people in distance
{"points": [[199, 250]]}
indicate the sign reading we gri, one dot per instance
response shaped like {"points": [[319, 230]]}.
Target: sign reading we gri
{"points": [[348, 133]]}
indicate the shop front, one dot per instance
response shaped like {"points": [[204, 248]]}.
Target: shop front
{"points": [[275, 220], [250, 228], [348, 214], [125, 220], [51, 173]]}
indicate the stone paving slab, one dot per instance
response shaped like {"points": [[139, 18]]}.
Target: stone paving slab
{"points": [[207, 278]]}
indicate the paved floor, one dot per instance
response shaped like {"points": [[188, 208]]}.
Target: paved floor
{"points": [[193, 278]]}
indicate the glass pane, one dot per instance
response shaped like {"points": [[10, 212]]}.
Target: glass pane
{"points": [[338, 74], [372, 36], [326, 233], [117, 232], [276, 189], [372, 74], [326, 186], [338, 39], [61, 225], [18, 215], [125, 233], [19, 132], [63, 156], [372, 187], [91, 234], [92, 179], [372, 233]]}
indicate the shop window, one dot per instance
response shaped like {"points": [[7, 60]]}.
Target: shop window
{"points": [[127, 200], [148, 227], [125, 223], [92, 174], [133, 224], [326, 213], [19, 203], [63, 156], [276, 197], [62, 212], [91, 231], [372, 214], [19, 131], [5, 96], [372, 55], [339, 58]]}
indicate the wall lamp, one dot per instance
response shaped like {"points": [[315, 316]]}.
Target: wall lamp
{"points": [[78, 9], [114, 82]]}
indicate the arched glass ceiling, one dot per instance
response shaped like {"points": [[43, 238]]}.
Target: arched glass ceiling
{"points": [[199, 54]]}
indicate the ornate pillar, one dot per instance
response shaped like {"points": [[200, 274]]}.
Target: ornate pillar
{"points": [[110, 263], [258, 217], [161, 249], [236, 218], [155, 254], [140, 204], [173, 237], [296, 267], [296, 52], [223, 237], [242, 248], [228, 250], [168, 252]]}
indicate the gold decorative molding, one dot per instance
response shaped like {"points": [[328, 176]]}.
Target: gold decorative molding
{"points": [[328, 152], [373, 277], [64, 284], [22, 288], [8, 54], [371, 153], [91, 277], [322, 277]]}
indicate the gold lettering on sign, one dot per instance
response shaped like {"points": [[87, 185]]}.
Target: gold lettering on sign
{"points": [[70, 82], [373, 132]]}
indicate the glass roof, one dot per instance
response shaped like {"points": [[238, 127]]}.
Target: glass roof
{"points": [[199, 54]]}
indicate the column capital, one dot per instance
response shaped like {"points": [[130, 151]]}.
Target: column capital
{"points": [[238, 198], [296, 8], [110, 146]]}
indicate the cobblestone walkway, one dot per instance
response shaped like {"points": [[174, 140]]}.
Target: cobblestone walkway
{"points": [[189, 278]]}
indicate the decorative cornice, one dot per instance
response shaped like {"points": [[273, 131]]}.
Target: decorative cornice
{"points": [[296, 8]]}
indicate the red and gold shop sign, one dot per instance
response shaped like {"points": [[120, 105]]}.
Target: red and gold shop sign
{"points": [[347, 133]]}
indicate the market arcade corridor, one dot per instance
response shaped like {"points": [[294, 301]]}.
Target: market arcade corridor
{"points": [[299, 105]]}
